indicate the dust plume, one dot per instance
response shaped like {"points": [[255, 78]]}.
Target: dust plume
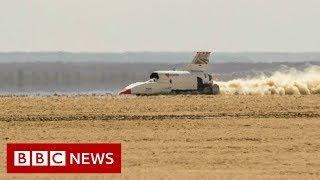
{"points": [[292, 82]]}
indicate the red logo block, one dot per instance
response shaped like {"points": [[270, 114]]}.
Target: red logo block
{"points": [[64, 158]]}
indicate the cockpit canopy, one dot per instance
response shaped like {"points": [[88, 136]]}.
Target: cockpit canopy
{"points": [[154, 76]]}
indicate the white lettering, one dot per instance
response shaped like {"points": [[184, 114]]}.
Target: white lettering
{"points": [[97, 157], [109, 156], [85, 158], [91, 158], [74, 158]]}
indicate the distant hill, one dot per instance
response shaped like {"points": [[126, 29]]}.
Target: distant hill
{"points": [[156, 57]]}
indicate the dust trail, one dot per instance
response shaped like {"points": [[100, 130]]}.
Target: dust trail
{"points": [[289, 82]]}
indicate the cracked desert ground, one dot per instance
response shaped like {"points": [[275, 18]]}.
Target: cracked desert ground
{"points": [[176, 137]]}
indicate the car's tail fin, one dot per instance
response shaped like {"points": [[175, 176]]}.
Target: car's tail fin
{"points": [[200, 62]]}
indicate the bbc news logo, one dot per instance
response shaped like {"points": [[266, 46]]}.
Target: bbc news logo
{"points": [[63, 158], [58, 158]]}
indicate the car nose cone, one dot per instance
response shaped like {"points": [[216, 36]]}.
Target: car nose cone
{"points": [[125, 91]]}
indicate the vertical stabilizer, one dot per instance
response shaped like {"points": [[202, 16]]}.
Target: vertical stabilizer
{"points": [[200, 62]]}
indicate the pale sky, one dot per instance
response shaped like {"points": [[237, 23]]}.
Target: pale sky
{"points": [[159, 25]]}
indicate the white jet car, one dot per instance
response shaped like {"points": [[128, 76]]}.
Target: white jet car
{"points": [[192, 79]]}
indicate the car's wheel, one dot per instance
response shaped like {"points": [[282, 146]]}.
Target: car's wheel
{"points": [[174, 92], [215, 89], [207, 90]]}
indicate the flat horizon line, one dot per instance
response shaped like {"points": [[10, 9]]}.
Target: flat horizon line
{"points": [[124, 52]]}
